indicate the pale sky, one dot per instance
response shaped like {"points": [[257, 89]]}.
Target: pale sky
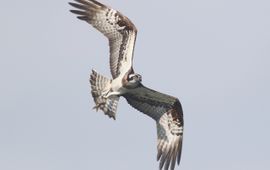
{"points": [[213, 55]]}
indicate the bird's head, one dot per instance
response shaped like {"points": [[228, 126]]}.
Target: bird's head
{"points": [[134, 80]]}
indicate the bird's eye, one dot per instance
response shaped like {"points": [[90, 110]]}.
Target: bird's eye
{"points": [[130, 77]]}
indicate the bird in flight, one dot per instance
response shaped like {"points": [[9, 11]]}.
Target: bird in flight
{"points": [[166, 110]]}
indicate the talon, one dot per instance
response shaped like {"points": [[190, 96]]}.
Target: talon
{"points": [[95, 107], [98, 105], [105, 94]]}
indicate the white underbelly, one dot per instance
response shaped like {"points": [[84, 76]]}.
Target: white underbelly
{"points": [[117, 86]]}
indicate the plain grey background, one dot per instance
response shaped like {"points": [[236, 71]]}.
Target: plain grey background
{"points": [[212, 54]]}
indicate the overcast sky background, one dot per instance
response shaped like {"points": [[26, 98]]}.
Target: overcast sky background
{"points": [[213, 55]]}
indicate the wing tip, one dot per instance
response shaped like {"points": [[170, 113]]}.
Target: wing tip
{"points": [[77, 12], [79, 6], [90, 3], [171, 153]]}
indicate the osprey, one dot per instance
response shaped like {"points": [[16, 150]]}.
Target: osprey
{"points": [[164, 109]]}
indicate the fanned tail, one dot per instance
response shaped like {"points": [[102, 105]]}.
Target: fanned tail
{"points": [[100, 86]]}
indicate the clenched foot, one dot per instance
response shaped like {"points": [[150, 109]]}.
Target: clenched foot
{"points": [[99, 106]]}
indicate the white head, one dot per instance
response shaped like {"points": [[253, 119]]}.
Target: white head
{"points": [[134, 80]]}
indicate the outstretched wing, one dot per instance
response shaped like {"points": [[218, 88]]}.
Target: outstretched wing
{"points": [[167, 111], [120, 31]]}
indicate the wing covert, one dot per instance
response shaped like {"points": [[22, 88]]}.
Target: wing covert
{"points": [[119, 30]]}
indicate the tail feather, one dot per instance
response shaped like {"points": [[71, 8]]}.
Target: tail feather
{"points": [[99, 85]]}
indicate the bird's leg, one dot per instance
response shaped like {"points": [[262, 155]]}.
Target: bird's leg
{"points": [[100, 103], [109, 93], [105, 93]]}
